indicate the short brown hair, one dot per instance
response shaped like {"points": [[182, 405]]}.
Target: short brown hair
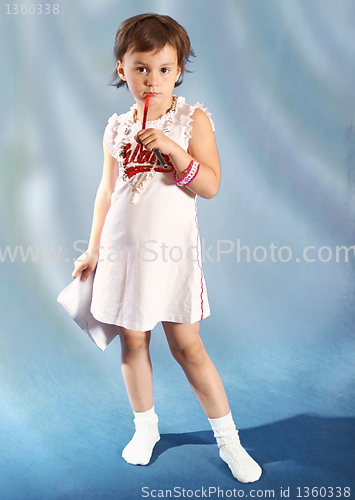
{"points": [[147, 32]]}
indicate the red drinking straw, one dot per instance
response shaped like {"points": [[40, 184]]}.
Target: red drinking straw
{"points": [[155, 151], [145, 113]]}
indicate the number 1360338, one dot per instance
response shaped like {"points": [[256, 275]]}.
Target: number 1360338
{"points": [[32, 8], [323, 492]]}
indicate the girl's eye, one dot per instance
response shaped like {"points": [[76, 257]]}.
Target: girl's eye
{"points": [[141, 69], [165, 70]]}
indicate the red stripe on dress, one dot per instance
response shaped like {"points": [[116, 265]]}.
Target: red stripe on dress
{"points": [[198, 261]]}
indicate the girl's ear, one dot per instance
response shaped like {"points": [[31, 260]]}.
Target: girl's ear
{"points": [[178, 75], [120, 70]]}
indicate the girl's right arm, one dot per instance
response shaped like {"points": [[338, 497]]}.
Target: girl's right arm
{"points": [[87, 262]]}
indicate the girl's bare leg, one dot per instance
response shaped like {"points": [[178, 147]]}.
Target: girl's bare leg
{"points": [[137, 368], [137, 374], [187, 348]]}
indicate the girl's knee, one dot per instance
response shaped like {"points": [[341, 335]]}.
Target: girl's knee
{"points": [[133, 340], [192, 354]]}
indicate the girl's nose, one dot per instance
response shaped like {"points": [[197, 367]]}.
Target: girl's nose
{"points": [[152, 80]]}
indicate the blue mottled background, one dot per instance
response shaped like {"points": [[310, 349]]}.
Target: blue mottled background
{"points": [[278, 77]]}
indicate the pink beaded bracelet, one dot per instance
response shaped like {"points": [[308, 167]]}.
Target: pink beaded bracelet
{"points": [[189, 175]]}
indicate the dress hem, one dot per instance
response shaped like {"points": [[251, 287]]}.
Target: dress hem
{"points": [[130, 325]]}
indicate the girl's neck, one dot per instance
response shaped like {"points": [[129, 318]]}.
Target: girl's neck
{"points": [[154, 113]]}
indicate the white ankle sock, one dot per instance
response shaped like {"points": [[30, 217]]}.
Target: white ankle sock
{"points": [[243, 467], [139, 450]]}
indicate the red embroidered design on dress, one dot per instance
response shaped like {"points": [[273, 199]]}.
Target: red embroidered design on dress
{"points": [[142, 161]]}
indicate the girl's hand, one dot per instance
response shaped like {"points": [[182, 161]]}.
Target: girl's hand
{"points": [[85, 264], [151, 139]]}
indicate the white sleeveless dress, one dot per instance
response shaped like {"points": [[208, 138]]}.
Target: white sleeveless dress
{"points": [[149, 267]]}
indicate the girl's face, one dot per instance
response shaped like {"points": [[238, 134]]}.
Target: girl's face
{"points": [[151, 73]]}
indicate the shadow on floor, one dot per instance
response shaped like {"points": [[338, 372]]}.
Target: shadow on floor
{"points": [[326, 443]]}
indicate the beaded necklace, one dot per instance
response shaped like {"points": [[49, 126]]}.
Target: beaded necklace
{"points": [[138, 181]]}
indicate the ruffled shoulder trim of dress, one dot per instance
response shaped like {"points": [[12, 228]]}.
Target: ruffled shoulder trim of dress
{"points": [[186, 118], [111, 134]]}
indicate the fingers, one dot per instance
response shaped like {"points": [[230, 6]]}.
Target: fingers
{"points": [[146, 132], [85, 274], [84, 270], [78, 269], [149, 138], [140, 138], [85, 265]]}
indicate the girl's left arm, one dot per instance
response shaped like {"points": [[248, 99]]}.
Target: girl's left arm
{"points": [[202, 148]]}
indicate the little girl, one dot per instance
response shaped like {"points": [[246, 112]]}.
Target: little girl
{"points": [[144, 245]]}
